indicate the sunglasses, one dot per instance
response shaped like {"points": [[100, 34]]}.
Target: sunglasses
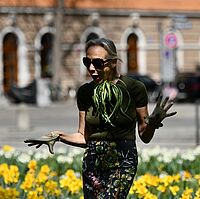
{"points": [[98, 63]]}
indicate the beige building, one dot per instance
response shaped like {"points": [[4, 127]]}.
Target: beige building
{"points": [[44, 40]]}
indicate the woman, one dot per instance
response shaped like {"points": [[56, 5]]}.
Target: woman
{"points": [[109, 108]]}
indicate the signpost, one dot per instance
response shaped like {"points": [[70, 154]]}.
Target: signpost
{"points": [[169, 57]]}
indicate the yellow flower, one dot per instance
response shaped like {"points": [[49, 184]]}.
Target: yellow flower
{"points": [[197, 194], [45, 169], [53, 174], [41, 178], [140, 188], [9, 193], [39, 190], [174, 189], [28, 182], [177, 177], [43, 175], [10, 173], [186, 175], [34, 195], [32, 165], [150, 180], [14, 174], [7, 148], [131, 192], [51, 187], [167, 180], [70, 173], [187, 194], [161, 188], [150, 196], [71, 182], [3, 168]]}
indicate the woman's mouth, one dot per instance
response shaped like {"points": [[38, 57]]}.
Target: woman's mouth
{"points": [[95, 77]]}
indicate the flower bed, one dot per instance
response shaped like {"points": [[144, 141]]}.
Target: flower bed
{"points": [[162, 174]]}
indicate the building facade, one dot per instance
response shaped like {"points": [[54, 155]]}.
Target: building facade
{"points": [[44, 40]]}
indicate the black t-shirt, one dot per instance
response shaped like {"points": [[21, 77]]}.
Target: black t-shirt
{"points": [[134, 96]]}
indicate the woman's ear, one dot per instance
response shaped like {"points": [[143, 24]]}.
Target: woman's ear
{"points": [[113, 63]]}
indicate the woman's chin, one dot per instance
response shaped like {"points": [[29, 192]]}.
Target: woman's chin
{"points": [[96, 78]]}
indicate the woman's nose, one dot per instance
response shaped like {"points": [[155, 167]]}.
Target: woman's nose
{"points": [[91, 67]]}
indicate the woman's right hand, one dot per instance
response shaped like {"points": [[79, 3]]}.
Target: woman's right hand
{"points": [[49, 140]]}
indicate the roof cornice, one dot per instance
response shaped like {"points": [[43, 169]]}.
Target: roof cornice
{"points": [[102, 12]]}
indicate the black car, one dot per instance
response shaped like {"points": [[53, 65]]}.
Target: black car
{"points": [[23, 95], [151, 85], [188, 85]]}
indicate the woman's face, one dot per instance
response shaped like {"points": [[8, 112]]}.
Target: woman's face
{"points": [[97, 54]]}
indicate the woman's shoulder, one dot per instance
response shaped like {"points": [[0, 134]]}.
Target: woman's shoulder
{"points": [[87, 85], [137, 90], [84, 95], [131, 82], [86, 88]]}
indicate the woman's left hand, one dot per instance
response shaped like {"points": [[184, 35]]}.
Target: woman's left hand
{"points": [[160, 112]]}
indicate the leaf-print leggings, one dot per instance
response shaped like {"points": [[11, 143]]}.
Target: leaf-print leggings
{"points": [[109, 168]]}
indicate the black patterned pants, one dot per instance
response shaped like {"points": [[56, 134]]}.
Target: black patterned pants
{"points": [[109, 168]]}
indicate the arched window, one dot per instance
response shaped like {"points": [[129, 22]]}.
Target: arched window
{"points": [[10, 67], [132, 53], [47, 55]]}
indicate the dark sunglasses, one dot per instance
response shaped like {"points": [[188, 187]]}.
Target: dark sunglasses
{"points": [[98, 63]]}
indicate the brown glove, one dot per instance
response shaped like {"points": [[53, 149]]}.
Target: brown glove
{"points": [[160, 112], [49, 140]]}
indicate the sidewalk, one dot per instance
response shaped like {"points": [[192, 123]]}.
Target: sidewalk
{"points": [[19, 122]]}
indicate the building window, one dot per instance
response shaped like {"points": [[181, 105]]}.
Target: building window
{"points": [[132, 53], [10, 61], [47, 55]]}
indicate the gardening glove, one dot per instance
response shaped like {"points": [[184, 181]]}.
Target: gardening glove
{"points": [[49, 140], [160, 112]]}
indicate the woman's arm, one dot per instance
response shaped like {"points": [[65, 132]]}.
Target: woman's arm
{"points": [[74, 139], [146, 132]]}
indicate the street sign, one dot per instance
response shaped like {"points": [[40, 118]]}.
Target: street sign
{"points": [[171, 40], [168, 68], [181, 22]]}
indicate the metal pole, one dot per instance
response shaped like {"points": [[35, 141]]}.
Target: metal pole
{"points": [[57, 50], [57, 55], [160, 31], [197, 120]]}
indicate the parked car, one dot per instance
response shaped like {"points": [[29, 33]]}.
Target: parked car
{"points": [[188, 85], [23, 95], [151, 85]]}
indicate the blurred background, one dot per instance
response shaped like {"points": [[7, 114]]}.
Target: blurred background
{"points": [[42, 45]]}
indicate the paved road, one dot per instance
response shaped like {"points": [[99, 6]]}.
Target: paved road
{"points": [[179, 131]]}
